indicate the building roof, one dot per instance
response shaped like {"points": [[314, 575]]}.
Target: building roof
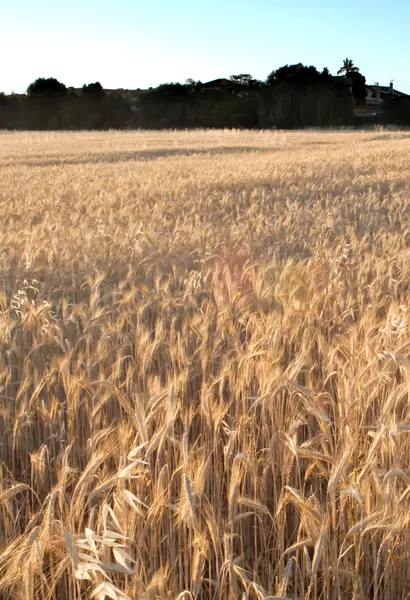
{"points": [[386, 89], [218, 82]]}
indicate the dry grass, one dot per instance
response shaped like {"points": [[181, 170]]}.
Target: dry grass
{"points": [[204, 378]]}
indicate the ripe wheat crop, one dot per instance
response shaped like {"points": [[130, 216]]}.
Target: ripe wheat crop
{"points": [[204, 365]]}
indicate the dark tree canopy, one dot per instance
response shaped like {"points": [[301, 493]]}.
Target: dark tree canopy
{"points": [[245, 80], [293, 95], [50, 88], [172, 89], [326, 75], [297, 74], [192, 84], [398, 110], [356, 79], [93, 90], [348, 68], [358, 87]]}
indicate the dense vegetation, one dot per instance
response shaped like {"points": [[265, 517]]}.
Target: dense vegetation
{"points": [[293, 96]]}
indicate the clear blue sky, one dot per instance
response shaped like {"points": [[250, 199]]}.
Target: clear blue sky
{"points": [[141, 43]]}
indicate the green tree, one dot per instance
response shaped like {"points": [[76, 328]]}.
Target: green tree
{"points": [[358, 80], [245, 80], [172, 89], [93, 90], [297, 74], [191, 84], [47, 88], [348, 67], [325, 74]]}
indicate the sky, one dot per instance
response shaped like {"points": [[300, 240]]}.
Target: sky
{"points": [[141, 43]]}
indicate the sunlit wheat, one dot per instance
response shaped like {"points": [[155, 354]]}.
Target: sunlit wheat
{"points": [[204, 365]]}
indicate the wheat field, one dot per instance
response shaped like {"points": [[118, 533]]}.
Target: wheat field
{"points": [[204, 365]]}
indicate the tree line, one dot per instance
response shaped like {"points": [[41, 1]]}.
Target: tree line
{"points": [[292, 96]]}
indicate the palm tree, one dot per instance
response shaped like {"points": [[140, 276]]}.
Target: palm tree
{"points": [[348, 67]]}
